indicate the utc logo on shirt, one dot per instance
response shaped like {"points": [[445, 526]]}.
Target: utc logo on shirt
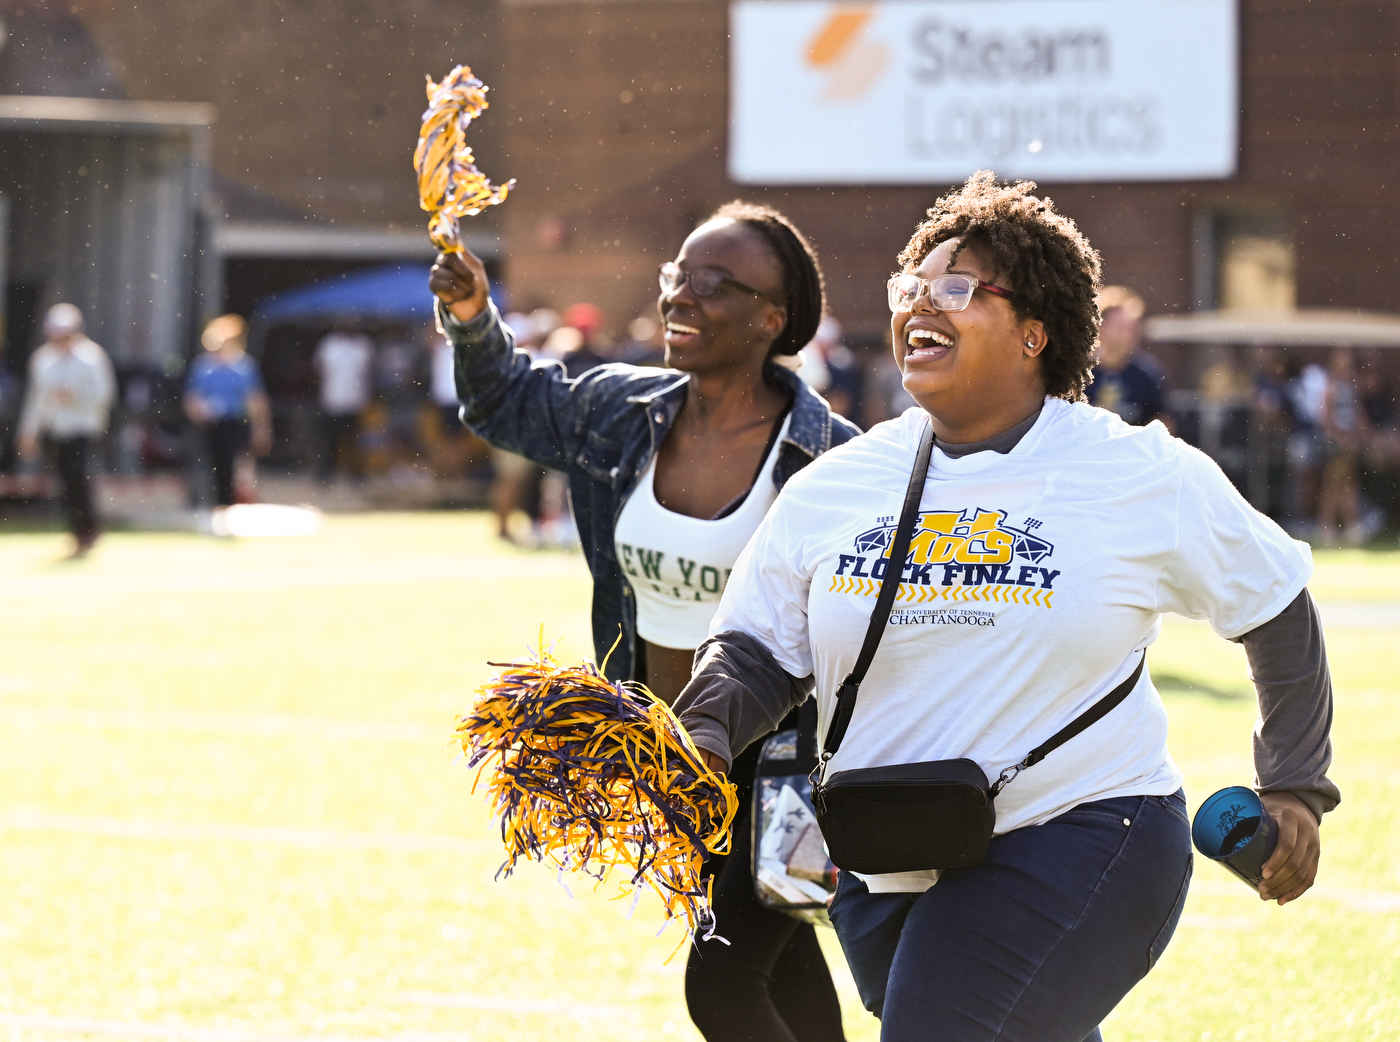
{"points": [[957, 555]]}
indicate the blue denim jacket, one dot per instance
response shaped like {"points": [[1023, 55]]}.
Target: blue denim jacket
{"points": [[602, 430]]}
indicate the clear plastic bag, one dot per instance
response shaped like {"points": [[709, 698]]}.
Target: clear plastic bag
{"points": [[791, 870]]}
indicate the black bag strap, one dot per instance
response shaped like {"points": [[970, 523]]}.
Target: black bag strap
{"points": [[1092, 715], [889, 587]]}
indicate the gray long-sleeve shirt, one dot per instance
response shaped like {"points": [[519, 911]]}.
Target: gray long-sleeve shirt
{"points": [[1292, 743]]}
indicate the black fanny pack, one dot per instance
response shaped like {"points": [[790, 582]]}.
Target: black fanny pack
{"points": [[909, 817]]}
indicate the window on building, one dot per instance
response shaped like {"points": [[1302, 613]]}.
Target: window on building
{"points": [[1246, 261]]}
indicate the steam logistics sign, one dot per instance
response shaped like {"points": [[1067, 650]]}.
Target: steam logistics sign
{"points": [[913, 91]]}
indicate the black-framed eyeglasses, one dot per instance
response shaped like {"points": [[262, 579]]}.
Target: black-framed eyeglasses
{"points": [[948, 292], [704, 282]]}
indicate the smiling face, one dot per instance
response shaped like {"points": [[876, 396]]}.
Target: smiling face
{"points": [[971, 370], [733, 329]]}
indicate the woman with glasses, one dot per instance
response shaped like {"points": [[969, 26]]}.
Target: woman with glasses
{"points": [[670, 471], [1049, 539]]}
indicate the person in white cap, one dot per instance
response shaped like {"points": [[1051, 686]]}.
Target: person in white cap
{"points": [[66, 404]]}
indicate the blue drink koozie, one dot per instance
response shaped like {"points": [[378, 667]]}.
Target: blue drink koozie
{"points": [[1233, 827]]}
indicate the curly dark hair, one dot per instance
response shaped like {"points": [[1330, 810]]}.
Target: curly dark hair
{"points": [[1048, 263], [803, 285]]}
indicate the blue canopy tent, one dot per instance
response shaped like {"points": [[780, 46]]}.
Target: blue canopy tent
{"points": [[393, 292]]}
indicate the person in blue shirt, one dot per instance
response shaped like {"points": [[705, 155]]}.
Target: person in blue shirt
{"points": [[225, 400]]}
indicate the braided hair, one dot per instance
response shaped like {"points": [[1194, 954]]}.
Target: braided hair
{"points": [[1050, 267], [803, 285]]}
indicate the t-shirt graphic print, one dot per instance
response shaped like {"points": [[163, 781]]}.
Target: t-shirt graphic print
{"points": [[958, 560]]}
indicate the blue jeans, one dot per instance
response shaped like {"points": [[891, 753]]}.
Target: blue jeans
{"points": [[1036, 944]]}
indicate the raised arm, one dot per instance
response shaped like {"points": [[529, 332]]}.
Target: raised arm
{"points": [[529, 407]]}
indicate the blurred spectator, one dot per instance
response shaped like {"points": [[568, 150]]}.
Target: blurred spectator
{"points": [[576, 344], [511, 475], [375, 448], [886, 397], [543, 321], [1344, 430], [343, 359], [571, 346], [225, 400], [1270, 386], [1308, 390], [442, 383], [643, 344], [397, 370], [514, 479], [1307, 447], [440, 434], [567, 346], [1219, 425], [66, 404], [1272, 422], [400, 380], [577, 341], [1380, 453], [831, 369], [586, 318], [1127, 380], [136, 396], [1378, 393]]}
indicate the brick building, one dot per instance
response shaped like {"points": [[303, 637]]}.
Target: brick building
{"points": [[617, 129], [308, 115], [614, 116]]}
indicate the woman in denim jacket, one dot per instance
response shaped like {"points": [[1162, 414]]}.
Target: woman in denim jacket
{"points": [[670, 471]]}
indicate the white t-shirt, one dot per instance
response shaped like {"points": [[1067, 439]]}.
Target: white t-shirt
{"points": [[677, 565], [69, 392], [343, 361], [1036, 578]]}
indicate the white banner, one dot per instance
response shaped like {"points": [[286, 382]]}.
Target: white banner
{"points": [[913, 92]]}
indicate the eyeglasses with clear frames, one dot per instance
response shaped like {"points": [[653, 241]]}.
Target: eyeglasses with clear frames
{"points": [[703, 282], [946, 292]]}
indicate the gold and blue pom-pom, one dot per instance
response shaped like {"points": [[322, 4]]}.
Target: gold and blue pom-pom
{"points": [[450, 186], [589, 775]]}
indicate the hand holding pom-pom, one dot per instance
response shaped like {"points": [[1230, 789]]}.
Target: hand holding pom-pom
{"points": [[459, 281], [590, 775]]}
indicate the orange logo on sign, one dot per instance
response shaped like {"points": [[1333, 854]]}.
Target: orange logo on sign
{"points": [[852, 64]]}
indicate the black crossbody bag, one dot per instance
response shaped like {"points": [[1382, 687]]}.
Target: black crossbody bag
{"points": [[910, 817]]}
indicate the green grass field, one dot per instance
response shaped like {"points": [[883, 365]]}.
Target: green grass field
{"points": [[230, 808]]}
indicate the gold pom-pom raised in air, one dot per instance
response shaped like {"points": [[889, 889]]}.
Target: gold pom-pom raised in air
{"points": [[450, 186]]}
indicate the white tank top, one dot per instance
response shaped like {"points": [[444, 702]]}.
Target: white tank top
{"points": [[678, 565]]}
